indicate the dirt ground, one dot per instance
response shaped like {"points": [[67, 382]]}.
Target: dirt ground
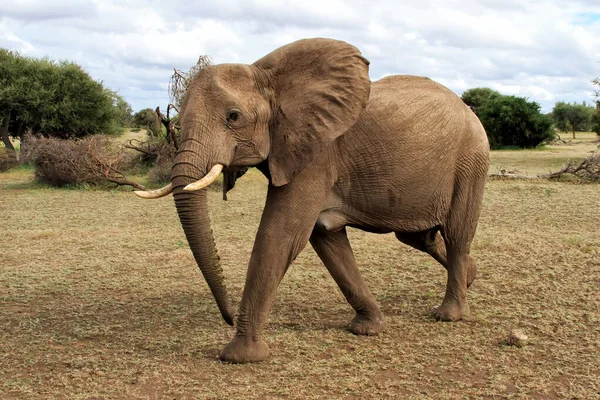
{"points": [[100, 299]]}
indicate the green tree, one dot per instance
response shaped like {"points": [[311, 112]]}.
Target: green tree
{"points": [[124, 110], [148, 119], [580, 117], [512, 121], [57, 99], [572, 116], [478, 97], [595, 119], [12, 90], [560, 117]]}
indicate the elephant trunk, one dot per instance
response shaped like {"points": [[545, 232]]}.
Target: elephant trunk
{"points": [[192, 208]]}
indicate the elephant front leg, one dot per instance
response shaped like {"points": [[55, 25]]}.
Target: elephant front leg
{"points": [[265, 271], [284, 231], [270, 260], [334, 250]]}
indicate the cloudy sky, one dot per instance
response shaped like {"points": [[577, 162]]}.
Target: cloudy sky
{"points": [[546, 50]]}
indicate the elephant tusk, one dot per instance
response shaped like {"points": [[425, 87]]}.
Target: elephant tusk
{"points": [[206, 180], [154, 194]]}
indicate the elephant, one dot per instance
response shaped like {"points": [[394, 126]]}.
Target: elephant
{"points": [[402, 154]]}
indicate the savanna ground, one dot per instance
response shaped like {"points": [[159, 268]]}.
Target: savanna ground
{"points": [[100, 298]]}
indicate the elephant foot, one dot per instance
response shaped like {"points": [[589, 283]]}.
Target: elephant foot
{"points": [[369, 325], [451, 311], [244, 350]]}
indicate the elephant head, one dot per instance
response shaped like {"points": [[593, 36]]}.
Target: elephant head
{"points": [[280, 111]]}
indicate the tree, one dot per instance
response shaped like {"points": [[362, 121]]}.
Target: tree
{"points": [[148, 119], [57, 99], [560, 116], [514, 121], [478, 97], [11, 84], [595, 119], [580, 117], [124, 110], [573, 116]]}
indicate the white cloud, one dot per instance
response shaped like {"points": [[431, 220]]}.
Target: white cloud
{"points": [[546, 50]]}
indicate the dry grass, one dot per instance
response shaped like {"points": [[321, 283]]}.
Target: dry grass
{"points": [[100, 298]]}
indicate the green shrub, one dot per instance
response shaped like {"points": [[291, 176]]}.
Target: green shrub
{"points": [[514, 121], [478, 97]]}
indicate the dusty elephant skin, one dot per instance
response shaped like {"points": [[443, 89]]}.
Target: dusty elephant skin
{"points": [[402, 155]]}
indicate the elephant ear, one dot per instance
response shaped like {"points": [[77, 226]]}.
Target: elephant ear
{"points": [[320, 88]]}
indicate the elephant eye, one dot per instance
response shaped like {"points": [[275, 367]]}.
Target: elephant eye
{"points": [[233, 115]]}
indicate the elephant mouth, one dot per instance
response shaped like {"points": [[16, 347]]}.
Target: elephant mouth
{"points": [[234, 168], [246, 154]]}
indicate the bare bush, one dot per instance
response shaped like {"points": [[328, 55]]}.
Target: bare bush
{"points": [[160, 174], [152, 152], [180, 80], [93, 161], [8, 159]]}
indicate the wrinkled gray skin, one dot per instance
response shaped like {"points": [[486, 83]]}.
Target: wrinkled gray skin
{"points": [[402, 155]]}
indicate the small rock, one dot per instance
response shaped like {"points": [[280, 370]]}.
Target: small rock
{"points": [[517, 338]]}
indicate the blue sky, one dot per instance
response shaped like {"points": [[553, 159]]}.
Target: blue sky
{"points": [[546, 50], [587, 19]]}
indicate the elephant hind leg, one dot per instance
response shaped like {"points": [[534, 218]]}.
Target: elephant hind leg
{"points": [[432, 243], [429, 241], [458, 231]]}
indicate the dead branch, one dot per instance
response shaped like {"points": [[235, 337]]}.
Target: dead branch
{"points": [[125, 182], [169, 124], [172, 106], [108, 170], [559, 141], [129, 145], [152, 152], [586, 170], [180, 80], [179, 73]]}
